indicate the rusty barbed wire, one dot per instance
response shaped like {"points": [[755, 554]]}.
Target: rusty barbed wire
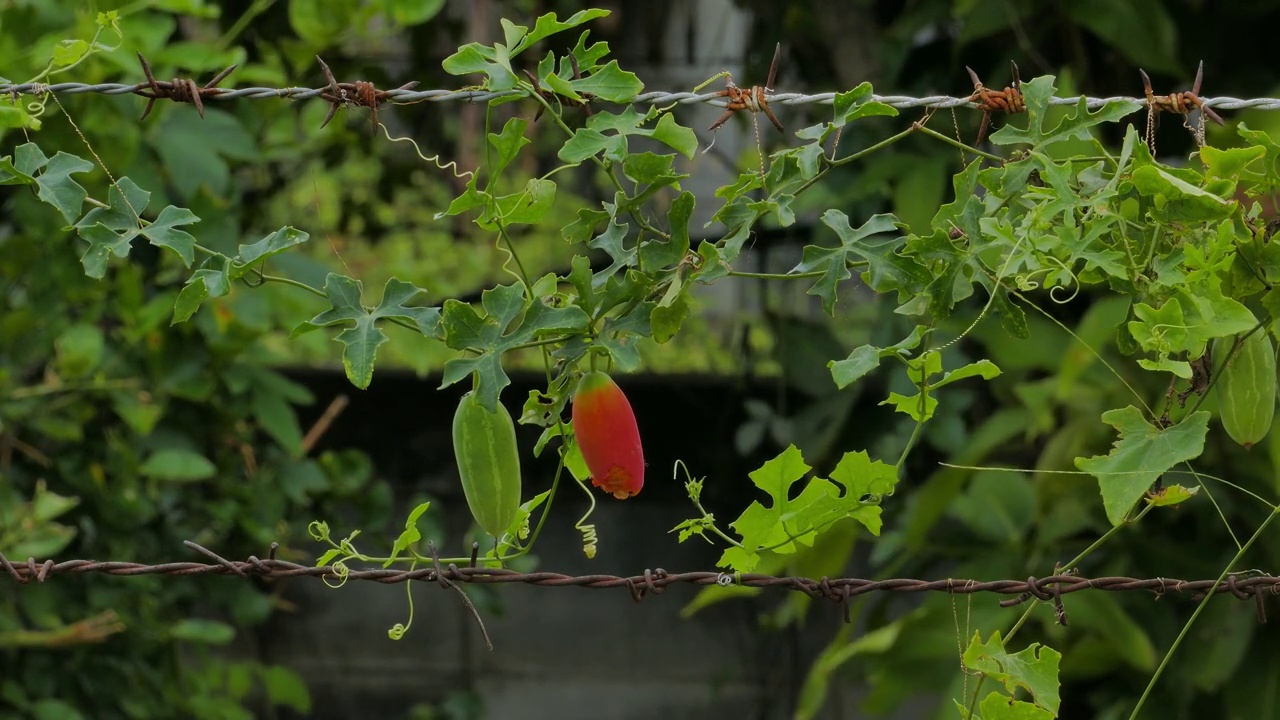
{"points": [[1244, 586], [402, 96]]}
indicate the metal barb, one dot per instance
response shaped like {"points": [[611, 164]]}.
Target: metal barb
{"points": [[360, 93], [754, 98], [1180, 103], [1008, 100], [178, 89]]}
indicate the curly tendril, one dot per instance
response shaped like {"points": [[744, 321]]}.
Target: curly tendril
{"points": [[397, 631], [341, 570]]}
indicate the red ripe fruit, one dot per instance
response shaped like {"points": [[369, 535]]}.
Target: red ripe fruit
{"points": [[607, 435]]}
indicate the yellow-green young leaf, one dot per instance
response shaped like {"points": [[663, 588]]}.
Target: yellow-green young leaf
{"points": [[1034, 669], [1140, 455], [1001, 707], [1171, 495], [410, 535], [785, 522], [919, 409]]}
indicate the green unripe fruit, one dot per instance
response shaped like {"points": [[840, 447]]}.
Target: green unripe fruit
{"points": [[1247, 387], [484, 444]]}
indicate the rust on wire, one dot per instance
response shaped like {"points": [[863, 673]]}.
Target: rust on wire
{"points": [[360, 93], [754, 98], [1008, 101], [1180, 103], [1250, 585], [184, 90]]}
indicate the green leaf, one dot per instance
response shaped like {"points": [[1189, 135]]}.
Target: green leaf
{"points": [[675, 136], [984, 369], [847, 107], [477, 58], [78, 350], [276, 417], [919, 409], [611, 241], [1231, 162], [519, 527], [856, 104], [1169, 495], [208, 632], [656, 255], [527, 207], [1140, 456], [548, 25], [866, 358], [362, 338], [1002, 707], [16, 117], [785, 522], [1034, 669], [1177, 200], [110, 231], [203, 284], [163, 232], [508, 144], [51, 709], [1181, 368], [887, 270], [1037, 93], [610, 83], [647, 167], [195, 151], [861, 361], [584, 143], [69, 52], [666, 320], [283, 685], [266, 248], [178, 465], [495, 332], [411, 12], [11, 175], [58, 189], [409, 535]]}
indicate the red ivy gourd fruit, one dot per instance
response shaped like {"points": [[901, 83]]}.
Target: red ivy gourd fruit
{"points": [[607, 435]]}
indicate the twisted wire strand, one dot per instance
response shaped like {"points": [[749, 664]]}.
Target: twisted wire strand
{"points": [[654, 581], [401, 96]]}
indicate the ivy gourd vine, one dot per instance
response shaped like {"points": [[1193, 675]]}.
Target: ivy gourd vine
{"points": [[1186, 247]]}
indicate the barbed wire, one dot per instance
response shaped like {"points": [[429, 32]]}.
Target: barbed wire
{"points": [[403, 96], [1247, 585]]}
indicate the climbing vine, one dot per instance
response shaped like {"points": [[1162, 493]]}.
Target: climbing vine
{"points": [[1049, 212]]}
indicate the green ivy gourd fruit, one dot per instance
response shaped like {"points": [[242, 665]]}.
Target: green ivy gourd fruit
{"points": [[484, 444], [1247, 387]]}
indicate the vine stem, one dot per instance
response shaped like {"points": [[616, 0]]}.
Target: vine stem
{"points": [[776, 276], [1196, 615], [956, 143], [559, 121]]}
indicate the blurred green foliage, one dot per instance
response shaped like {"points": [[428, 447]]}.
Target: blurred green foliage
{"points": [[144, 438]]}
